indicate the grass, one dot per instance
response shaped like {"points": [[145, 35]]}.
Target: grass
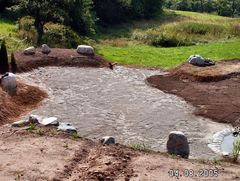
{"points": [[140, 147], [236, 150], [212, 35], [149, 56]]}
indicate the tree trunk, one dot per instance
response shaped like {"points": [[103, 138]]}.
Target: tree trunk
{"points": [[39, 27]]}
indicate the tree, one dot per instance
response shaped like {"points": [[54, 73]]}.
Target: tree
{"points": [[13, 63], [43, 11], [4, 67], [80, 16], [228, 7]]}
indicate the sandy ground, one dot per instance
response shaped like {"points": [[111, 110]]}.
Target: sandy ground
{"points": [[119, 103], [25, 155]]}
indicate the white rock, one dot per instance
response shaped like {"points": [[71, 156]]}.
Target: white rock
{"points": [[108, 140], [29, 51], [20, 123], [45, 49], [67, 127], [49, 121], [85, 49], [9, 83]]}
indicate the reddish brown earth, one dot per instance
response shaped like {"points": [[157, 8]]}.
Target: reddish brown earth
{"points": [[27, 98], [58, 57], [214, 90], [46, 154]]}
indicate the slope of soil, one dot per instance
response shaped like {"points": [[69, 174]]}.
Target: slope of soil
{"points": [[55, 156], [222, 70], [58, 57], [26, 99], [217, 98]]}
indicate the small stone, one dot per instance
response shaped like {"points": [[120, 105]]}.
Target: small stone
{"points": [[35, 119], [178, 144], [85, 49], [45, 49], [29, 51], [9, 83], [49, 121], [108, 140], [67, 127], [21, 123]]}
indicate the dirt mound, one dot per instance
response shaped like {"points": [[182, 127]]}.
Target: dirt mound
{"points": [[221, 70], [218, 100], [54, 156], [58, 57], [26, 99]]}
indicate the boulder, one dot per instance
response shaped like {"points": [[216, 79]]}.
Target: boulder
{"points": [[49, 121], [177, 144], [45, 49], [196, 60], [9, 83], [85, 49], [29, 51], [107, 140], [67, 127]]}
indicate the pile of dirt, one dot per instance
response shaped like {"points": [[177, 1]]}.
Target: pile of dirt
{"points": [[58, 57], [26, 99], [54, 156], [214, 91], [221, 70]]}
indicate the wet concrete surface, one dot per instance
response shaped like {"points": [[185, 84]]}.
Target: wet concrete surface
{"points": [[103, 102]]}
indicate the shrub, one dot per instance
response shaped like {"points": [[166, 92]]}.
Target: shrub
{"points": [[26, 29], [57, 35], [236, 150], [4, 67]]}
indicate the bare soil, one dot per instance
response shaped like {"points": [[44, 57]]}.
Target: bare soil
{"points": [[52, 155], [58, 57], [26, 99], [214, 90]]}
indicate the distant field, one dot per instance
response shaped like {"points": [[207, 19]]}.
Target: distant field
{"points": [[8, 31], [148, 56], [215, 37]]}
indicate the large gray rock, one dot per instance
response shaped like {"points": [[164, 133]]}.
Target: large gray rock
{"points": [[178, 144], [45, 49], [107, 140], [9, 83], [196, 60], [85, 49], [29, 51]]}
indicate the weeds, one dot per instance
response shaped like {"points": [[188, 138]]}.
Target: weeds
{"points": [[75, 135], [236, 150], [140, 147], [32, 126]]}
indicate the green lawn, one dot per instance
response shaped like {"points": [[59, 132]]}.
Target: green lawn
{"points": [[149, 56], [221, 41]]}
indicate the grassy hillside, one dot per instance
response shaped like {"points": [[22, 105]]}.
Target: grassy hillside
{"points": [[8, 31], [140, 43]]}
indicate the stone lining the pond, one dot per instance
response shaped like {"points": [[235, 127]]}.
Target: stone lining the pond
{"points": [[218, 138]]}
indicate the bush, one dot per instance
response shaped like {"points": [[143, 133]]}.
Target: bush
{"points": [[4, 67], [57, 35], [26, 29]]}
